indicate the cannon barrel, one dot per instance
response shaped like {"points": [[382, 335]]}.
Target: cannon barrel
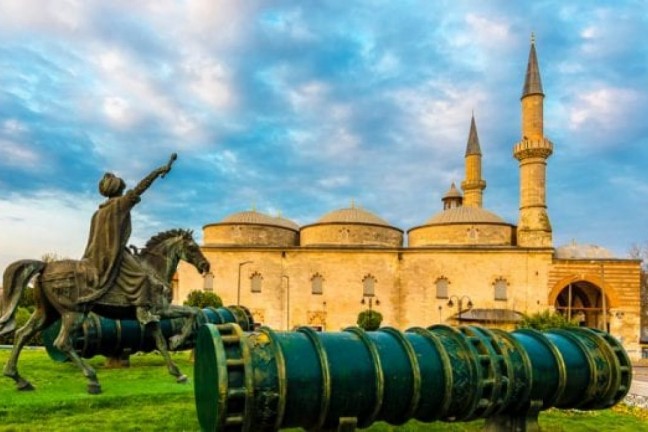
{"points": [[266, 380], [117, 338]]}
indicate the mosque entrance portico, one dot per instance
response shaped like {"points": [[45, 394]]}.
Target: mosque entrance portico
{"points": [[582, 301]]}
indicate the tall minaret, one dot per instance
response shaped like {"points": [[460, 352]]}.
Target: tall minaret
{"points": [[473, 185], [534, 228]]}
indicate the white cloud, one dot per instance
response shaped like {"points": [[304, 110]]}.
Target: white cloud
{"points": [[13, 127], [439, 112], [225, 161], [210, 80], [19, 154], [48, 222], [334, 182], [118, 111], [487, 30], [308, 96], [603, 109], [58, 16], [131, 95], [216, 24]]}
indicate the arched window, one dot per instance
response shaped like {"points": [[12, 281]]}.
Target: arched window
{"points": [[317, 284], [256, 280], [501, 288], [442, 287], [368, 286]]}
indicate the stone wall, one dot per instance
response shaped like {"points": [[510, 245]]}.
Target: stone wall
{"points": [[462, 234], [340, 234]]}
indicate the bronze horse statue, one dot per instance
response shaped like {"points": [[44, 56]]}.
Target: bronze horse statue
{"points": [[56, 294]]}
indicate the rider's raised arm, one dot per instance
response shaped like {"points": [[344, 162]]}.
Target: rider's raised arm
{"points": [[147, 181]]}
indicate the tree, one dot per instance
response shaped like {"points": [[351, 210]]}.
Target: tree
{"points": [[202, 299], [546, 320], [369, 320]]}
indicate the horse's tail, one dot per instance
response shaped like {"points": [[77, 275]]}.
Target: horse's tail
{"points": [[15, 279]]}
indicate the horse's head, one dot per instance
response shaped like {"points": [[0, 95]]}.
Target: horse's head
{"points": [[172, 246], [191, 253]]}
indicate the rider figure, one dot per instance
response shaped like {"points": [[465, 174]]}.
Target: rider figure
{"points": [[106, 250]]}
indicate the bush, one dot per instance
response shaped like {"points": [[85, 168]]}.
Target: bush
{"points": [[546, 320], [22, 315], [202, 299], [27, 299], [369, 320]]}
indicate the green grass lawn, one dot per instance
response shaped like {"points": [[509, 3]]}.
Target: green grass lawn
{"points": [[145, 397]]}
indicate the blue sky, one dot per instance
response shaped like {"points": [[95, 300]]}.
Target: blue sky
{"points": [[298, 108]]}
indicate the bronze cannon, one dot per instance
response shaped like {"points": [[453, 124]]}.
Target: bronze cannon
{"points": [[267, 380]]}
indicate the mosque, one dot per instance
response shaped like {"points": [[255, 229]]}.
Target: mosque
{"points": [[464, 265]]}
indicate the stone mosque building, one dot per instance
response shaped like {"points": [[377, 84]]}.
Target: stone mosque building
{"points": [[463, 265]]}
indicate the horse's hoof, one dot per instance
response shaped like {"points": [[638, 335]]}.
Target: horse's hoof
{"points": [[182, 379], [94, 388], [25, 386]]}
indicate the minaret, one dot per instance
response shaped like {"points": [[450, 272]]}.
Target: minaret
{"points": [[534, 228], [473, 185]]}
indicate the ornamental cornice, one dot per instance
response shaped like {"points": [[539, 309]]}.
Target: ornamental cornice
{"points": [[528, 148]]}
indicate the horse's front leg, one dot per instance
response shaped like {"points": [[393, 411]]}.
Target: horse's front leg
{"points": [[161, 345], [35, 323], [70, 322], [188, 314]]}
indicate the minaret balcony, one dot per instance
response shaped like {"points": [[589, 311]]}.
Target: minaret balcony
{"points": [[527, 148], [473, 184]]}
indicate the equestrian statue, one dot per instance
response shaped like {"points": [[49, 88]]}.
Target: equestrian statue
{"points": [[111, 279]]}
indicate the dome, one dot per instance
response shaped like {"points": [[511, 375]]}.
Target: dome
{"points": [[251, 228], [463, 226], [582, 251], [351, 226], [253, 217], [459, 215], [352, 215]]}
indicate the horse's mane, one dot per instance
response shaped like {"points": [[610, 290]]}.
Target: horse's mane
{"points": [[164, 235]]}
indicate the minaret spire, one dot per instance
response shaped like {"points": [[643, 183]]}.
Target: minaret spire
{"points": [[473, 184], [534, 228], [472, 148], [532, 83]]}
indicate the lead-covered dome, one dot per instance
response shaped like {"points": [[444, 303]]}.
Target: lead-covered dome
{"points": [[582, 251], [464, 225], [464, 215], [351, 226], [252, 228], [353, 215]]}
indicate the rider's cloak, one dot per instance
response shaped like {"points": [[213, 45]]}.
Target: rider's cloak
{"points": [[106, 250]]}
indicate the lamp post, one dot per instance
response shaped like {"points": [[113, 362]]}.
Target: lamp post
{"points": [[460, 301], [603, 299], [370, 301], [238, 287], [287, 300]]}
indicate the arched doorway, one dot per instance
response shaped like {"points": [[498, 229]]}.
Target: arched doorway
{"points": [[583, 301]]}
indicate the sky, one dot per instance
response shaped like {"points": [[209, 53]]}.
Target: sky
{"points": [[301, 108]]}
